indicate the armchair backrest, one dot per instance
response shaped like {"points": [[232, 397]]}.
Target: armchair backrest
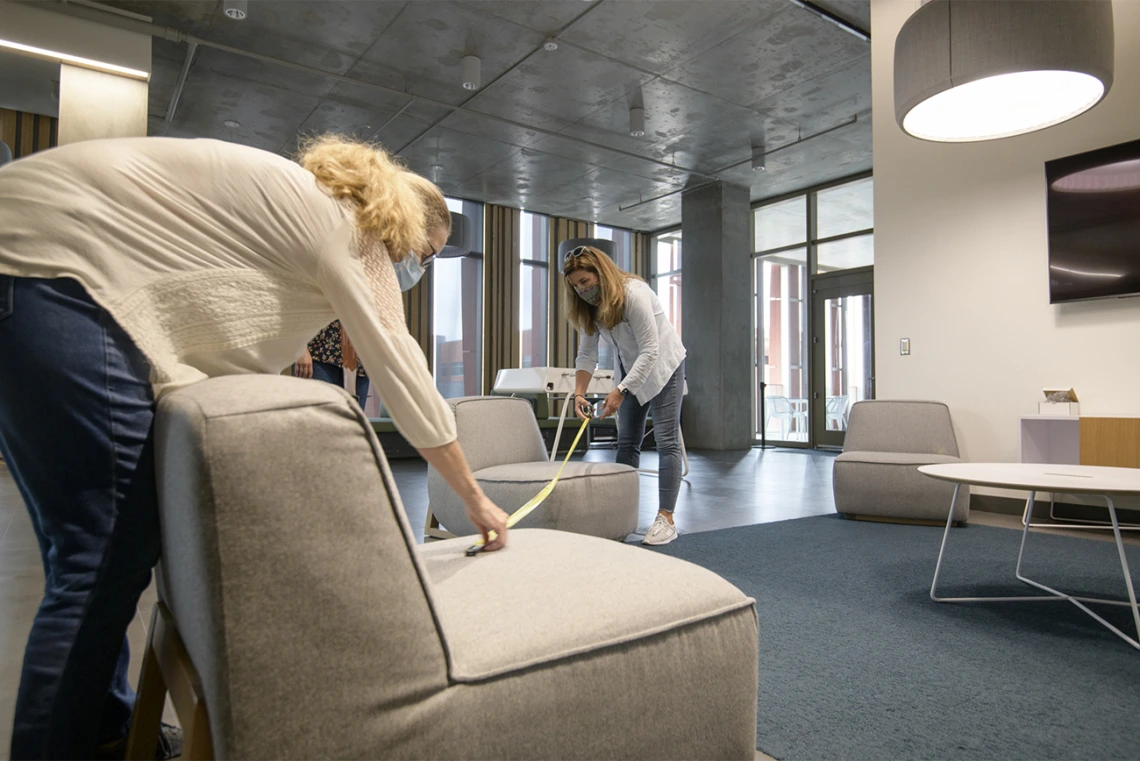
{"points": [[497, 430], [289, 566], [915, 427]]}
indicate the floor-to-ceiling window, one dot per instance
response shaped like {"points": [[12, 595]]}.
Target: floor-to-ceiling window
{"points": [[534, 287], [457, 310], [666, 248], [623, 244], [815, 246]]}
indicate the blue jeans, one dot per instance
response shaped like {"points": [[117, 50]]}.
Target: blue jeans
{"points": [[666, 407], [334, 374], [76, 409]]}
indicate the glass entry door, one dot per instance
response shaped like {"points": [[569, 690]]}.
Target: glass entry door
{"points": [[843, 354], [780, 353]]}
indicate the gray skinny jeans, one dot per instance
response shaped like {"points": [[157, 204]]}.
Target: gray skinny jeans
{"points": [[666, 407]]}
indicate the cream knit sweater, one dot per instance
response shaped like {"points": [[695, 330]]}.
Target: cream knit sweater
{"points": [[216, 259]]}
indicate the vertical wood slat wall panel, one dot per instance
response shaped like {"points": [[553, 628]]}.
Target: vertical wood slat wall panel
{"points": [[641, 256], [417, 313], [501, 341], [563, 338], [25, 133]]}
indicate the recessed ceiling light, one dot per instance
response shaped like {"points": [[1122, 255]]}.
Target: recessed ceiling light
{"points": [[236, 9], [550, 44]]}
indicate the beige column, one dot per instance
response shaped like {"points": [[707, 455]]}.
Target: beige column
{"points": [[95, 104]]}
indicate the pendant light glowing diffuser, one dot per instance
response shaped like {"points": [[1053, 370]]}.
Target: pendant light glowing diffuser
{"points": [[970, 70]]}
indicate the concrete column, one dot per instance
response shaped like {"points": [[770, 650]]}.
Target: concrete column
{"points": [[716, 305], [95, 104]]}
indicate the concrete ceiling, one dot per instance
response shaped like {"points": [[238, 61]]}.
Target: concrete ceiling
{"points": [[548, 131]]}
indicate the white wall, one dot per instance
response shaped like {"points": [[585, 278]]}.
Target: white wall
{"points": [[94, 104], [961, 263]]}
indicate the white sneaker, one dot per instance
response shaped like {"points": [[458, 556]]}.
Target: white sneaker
{"points": [[661, 532]]}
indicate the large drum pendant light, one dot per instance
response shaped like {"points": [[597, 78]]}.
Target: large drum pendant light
{"points": [[968, 70]]}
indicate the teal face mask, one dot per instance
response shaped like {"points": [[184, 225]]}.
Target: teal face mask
{"points": [[591, 295]]}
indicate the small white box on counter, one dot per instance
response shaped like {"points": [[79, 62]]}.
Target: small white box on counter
{"points": [[1071, 405]]}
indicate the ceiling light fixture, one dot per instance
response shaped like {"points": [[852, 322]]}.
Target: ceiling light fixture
{"points": [[636, 121], [236, 9], [472, 69], [86, 63], [970, 70], [550, 44], [230, 124], [758, 162]]}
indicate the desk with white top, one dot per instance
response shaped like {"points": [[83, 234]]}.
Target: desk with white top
{"points": [[1087, 480]]}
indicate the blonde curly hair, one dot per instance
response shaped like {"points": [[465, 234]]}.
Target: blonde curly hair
{"points": [[393, 204]]}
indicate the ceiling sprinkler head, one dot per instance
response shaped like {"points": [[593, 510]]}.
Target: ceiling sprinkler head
{"points": [[550, 44]]}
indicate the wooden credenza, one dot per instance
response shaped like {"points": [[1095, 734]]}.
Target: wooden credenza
{"points": [[1083, 440]]}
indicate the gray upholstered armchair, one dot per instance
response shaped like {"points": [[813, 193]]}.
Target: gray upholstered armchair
{"points": [[505, 451], [877, 475], [299, 618]]}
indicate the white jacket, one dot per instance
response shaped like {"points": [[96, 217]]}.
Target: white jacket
{"points": [[649, 349]]}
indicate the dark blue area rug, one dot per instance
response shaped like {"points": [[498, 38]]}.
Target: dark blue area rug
{"points": [[857, 662]]}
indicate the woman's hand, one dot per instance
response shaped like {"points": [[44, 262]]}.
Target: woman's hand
{"points": [[582, 408], [611, 404], [488, 517], [303, 368]]}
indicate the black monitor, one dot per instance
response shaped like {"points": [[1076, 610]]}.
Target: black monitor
{"points": [[1094, 224]]}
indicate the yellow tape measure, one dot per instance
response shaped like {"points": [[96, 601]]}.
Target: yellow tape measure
{"points": [[537, 499]]}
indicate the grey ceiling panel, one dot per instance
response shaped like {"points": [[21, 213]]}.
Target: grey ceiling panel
{"points": [[269, 116], [560, 87], [458, 156], [657, 35], [733, 72], [826, 100], [522, 177], [857, 12], [236, 69], [688, 127], [327, 35], [791, 48], [423, 49], [543, 16]]}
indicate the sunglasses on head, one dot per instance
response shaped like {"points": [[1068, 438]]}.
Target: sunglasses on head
{"points": [[577, 252]]}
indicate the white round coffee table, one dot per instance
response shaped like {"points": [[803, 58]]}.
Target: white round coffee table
{"points": [[1093, 481]]}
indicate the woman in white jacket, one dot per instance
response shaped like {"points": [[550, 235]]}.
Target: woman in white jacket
{"points": [[133, 266], [603, 301]]}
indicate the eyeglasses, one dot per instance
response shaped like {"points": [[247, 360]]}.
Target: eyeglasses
{"points": [[427, 260], [577, 252]]}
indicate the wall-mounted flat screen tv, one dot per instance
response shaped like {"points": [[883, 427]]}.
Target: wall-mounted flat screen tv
{"points": [[1094, 224]]}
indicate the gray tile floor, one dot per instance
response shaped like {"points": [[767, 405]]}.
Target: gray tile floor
{"points": [[724, 489]]}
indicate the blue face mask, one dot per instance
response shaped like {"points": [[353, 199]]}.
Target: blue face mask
{"points": [[409, 272]]}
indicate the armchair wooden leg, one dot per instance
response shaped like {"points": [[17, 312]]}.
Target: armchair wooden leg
{"points": [[432, 529], [167, 667], [149, 701]]}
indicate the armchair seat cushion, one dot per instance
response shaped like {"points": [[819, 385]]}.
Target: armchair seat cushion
{"points": [[570, 595], [896, 458], [597, 498]]}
